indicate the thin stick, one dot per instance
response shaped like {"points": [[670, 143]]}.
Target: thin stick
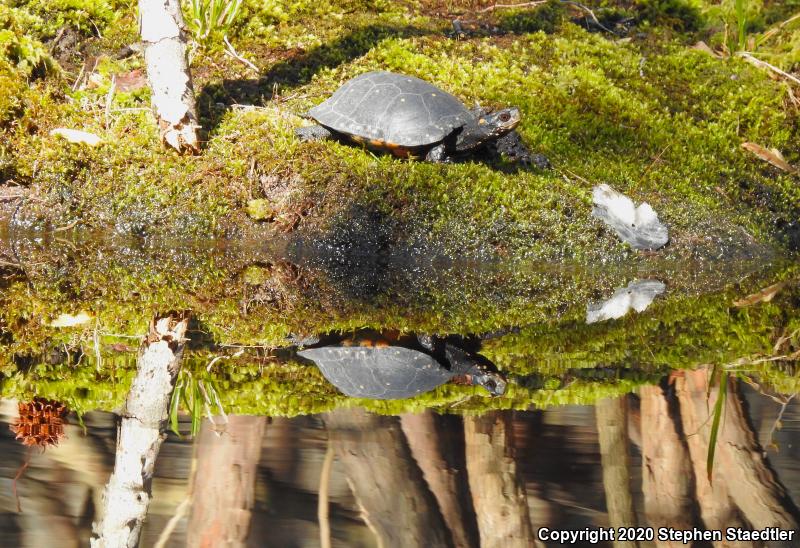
{"points": [[180, 511], [578, 5], [775, 424], [512, 6], [777, 28], [96, 339], [590, 12], [67, 227], [110, 99], [78, 79], [19, 475], [232, 52], [763, 64], [655, 161]]}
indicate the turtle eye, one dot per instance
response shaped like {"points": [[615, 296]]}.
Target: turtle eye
{"points": [[505, 117], [491, 385]]}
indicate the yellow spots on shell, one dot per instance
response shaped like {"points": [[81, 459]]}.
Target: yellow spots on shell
{"points": [[481, 122]]}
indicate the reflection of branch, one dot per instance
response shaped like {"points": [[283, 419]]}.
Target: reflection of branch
{"points": [[322, 503], [667, 481], [775, 424], [182, 508], [144, 420], [180, 511]]}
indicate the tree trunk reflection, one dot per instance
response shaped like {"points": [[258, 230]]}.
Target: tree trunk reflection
{"points": [[745, 492], [224, 482], [667, 479], [498, 493], [612, 432], [385, 479], [448, 484]]}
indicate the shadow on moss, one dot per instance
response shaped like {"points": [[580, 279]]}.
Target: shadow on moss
{"points": [[295, 71]]}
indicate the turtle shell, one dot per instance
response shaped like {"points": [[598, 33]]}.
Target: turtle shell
{"points": [[388, 110], [381, 373]]}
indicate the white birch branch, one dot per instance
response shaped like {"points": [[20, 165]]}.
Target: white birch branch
{"points": [[164, 37], [141, 432]]}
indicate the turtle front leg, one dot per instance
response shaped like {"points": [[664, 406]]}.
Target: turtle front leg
{"points": [[438, 154], [313, 133]]}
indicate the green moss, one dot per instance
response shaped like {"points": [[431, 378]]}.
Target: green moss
{"points": [[666, 130], [683, 15], [260, 210], [89, 17], [16, 45]]}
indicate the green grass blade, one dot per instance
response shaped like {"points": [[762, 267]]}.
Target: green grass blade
{"points": [[174, 405], [741, 23], [719, 406], [197, 410]]}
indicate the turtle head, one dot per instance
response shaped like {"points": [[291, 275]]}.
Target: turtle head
{"points": [[487, 127], [475, 370], [492, 381]]}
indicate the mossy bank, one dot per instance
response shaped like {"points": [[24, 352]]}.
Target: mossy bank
{"points": [[638, 109]]}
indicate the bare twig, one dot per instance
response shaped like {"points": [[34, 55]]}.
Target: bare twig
{"points": [[110, 99], [777, 422], [512, 6], [180, 511], [96, 339], [79, 78], [67, 227], [747, 56], [233, 53], [778, 28], [590, 13]]}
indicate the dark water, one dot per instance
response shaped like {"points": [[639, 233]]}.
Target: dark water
{"points": [[552, 457]]}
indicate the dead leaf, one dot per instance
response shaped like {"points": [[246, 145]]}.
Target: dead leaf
{"points": [[77, 136], [9, 193], [763, 296], [773, 156], [121, 347], [131, 81], [69, 320], [702, 46], [94, 80]]}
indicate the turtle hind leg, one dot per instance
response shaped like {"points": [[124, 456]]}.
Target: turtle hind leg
{"points": [[313, 133], [438, 154]]}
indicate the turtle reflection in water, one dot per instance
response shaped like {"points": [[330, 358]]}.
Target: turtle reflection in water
{"points": [[388, 367]]}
